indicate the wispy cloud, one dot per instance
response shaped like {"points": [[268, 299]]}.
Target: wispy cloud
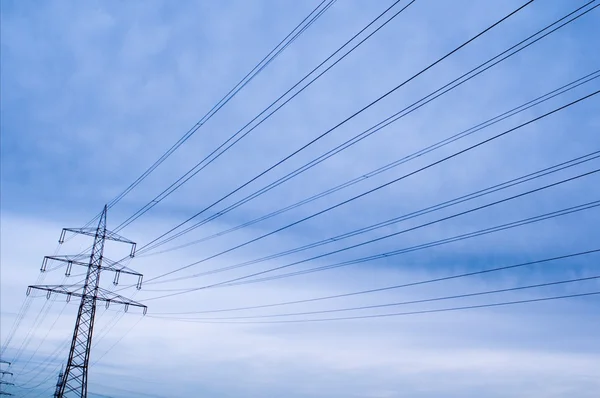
{"points": [[93, 93]]}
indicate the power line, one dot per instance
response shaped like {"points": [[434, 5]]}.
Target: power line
{"points": [[345, 120], [315, 14], [21, 315], [158, 242], [43, 366], [229, 283], [117, 342], [392, 287], [199, 166], [43, 340], [39, 319], [108, 326], [461, 199], [379, 187], [396, 304], [223, 101], [387, 223], [242, 280], [514, 111], [395, 314], [515, 224], [52, 356]]}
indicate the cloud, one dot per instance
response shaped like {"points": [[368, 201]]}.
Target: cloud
{"points": [[511, 350], [93, 93]]}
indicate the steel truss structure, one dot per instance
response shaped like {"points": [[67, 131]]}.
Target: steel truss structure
{"points": [[75, 377]]}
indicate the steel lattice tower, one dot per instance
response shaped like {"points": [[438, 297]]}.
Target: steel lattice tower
{"points": [[2, 382], [59, 383], [75, 377]]}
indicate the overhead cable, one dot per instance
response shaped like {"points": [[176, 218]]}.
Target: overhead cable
{"points": [[315, 14], [386, 223], [361, 110], [395, 314], [541, 99], [394, 304], [226, 145], [361, 195], [243, 280], [162, 240], [393, 287]]}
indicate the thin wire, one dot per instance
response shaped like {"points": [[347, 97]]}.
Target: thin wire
{"points": [[531, 220], [395, 314], [40, 317], [43, 340], [217, 107], [239, 86], [380, 186], [17, 323], [50, 376], [392, 287], [346, 119], [387, 223], [241, 280], [118, 341], [346, 144], [400, 303], [21, 314], [394, 220], [107, 327], [46, 363], [223, 101], [539, 100], [196, 169]]}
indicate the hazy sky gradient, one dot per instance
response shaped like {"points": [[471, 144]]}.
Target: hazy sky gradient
{"points": [[93, 92]]}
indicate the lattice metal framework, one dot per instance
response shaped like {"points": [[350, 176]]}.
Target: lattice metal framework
{"points": [[59, 383], [5, 383], [74, 381]]}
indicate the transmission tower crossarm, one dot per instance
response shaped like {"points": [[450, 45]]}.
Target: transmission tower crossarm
{"points": [[107, 235], [107, 265], [109, 297], [102, 295], [6, 383], [5, 372], [62, 289]]}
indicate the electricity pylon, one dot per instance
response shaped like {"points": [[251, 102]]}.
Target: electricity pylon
{"points": [[2, 382], [59, 383], [74, 380]]}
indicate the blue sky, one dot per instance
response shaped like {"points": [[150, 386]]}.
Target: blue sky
{"points": [[92, 93]]}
